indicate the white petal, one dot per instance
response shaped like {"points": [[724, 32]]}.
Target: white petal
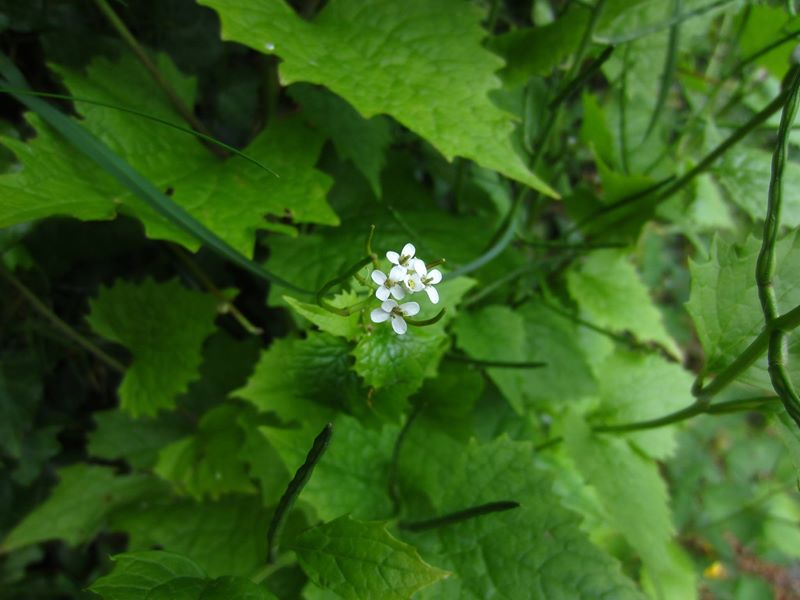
{"points": [[410, 308], [378, 315], [393, 257], [408, 250], [433, 294], [414, 283], [399, 325], [419, 266], [378, 276], [398, 273], [434, 277], [382, 293], [388, 305], [398, 292]]}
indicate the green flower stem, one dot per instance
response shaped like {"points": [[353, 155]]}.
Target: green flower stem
{"points": [[425, 322], [154, 72], [293, 490], [777, 351], [786, 322], [370, 251], [500, 364], [61, 325], [693, 410], [223, 304], [457, 517], [351, 272]]}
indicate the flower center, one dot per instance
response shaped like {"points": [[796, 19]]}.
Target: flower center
{"points": [[412, 284]]}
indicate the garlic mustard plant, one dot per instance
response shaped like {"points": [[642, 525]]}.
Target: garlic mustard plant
{"points": [[390, 309], [404, 258], [389, 284], [408, 275]]}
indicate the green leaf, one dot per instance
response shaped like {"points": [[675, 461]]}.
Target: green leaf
{"points": [[224, 537], [231, 198], [362, 141], [635, 387], [386, 59], [361, 561], [121, 437], [534, 551], [538, 50], [79, 506], [744, 173], [636, 500], [530, 334], [347, 327], [725, 307], [497, 333], [611, 294], [163, 325], [399, 362], [156, 575], [207, 462], [296, 379], [136, 573], [352, 477], [762, 27], [595, 131]]}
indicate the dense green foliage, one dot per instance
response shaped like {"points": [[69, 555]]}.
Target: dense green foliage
{"points": [[202, 398]]}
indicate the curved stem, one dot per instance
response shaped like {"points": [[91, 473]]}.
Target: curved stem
{"points": [[697, 408], [501, 244], [425, 322], [293, 490], [777, 351], [61, 325], [786, 322]]}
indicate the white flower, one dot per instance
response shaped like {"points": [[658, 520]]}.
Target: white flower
{"points": [[426, 280], [390, 309], [389, 284], [404, 259]]}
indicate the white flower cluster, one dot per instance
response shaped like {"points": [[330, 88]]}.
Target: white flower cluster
{"points": [[408, 275]]}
